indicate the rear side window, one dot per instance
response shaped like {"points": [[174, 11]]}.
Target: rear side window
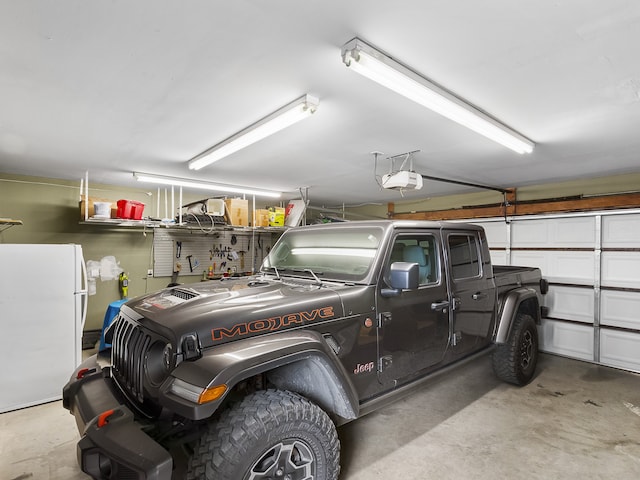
{"points": [[463, 255]]}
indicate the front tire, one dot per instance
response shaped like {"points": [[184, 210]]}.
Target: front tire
{"points": [[515, 361], [269, 434]]}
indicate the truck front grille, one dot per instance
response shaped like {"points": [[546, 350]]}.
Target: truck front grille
{"points": [[128, 351]]}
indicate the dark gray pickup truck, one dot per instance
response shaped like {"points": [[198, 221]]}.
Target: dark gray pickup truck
{"points": [[247, 378]]}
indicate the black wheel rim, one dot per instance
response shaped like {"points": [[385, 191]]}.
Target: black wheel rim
{"points": [[527, 350], [290, 459]]}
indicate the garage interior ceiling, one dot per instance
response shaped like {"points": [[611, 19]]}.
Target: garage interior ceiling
{"points": [[116, 87]]}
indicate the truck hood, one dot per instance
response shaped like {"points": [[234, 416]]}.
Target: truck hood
{"points": [[221, 311]]}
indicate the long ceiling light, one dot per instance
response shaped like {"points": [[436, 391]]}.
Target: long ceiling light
{"points": [[379, 67], [295, 111], [188, 183]]}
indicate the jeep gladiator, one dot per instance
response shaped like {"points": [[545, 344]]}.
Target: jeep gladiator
{"points": [[247, 378]]}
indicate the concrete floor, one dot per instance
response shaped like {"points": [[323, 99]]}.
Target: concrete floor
{"points": [[574, 421]]}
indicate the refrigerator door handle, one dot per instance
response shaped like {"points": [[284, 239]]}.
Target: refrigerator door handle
{"points": [[84, 292]]}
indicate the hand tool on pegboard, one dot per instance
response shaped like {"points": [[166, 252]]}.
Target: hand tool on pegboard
{"points": [[176, 272]]}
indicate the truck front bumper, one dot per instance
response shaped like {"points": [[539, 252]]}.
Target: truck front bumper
{"points": [[112, 444]]}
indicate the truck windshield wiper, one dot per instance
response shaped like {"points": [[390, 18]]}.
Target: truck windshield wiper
{"points": [[275, 270], [311, 272]]}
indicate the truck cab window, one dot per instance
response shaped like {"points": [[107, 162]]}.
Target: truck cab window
{"points": [[418, 249], [463, 255]]}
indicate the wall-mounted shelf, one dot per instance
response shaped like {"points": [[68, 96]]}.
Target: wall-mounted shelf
{"points": [[125, 223], [119, 222], [153, 220], [6, 223]]}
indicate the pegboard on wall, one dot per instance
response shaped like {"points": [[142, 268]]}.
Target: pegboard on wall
{"points": [[194, 252]]}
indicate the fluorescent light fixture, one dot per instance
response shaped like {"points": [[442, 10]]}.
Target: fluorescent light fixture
{"points": [[295, 111], [381, 68], [345, 252], [197, 184]]}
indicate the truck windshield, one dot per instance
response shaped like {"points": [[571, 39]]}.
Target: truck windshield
{"points": [[337, 253]]}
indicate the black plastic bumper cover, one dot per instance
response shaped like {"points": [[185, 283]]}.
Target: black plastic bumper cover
{"points": [[112, 444]]}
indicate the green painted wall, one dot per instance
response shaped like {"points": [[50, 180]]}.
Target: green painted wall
{"points": [[50, 211]]}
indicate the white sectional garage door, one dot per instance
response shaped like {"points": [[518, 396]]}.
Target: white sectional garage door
{"points": [[592, 263]]}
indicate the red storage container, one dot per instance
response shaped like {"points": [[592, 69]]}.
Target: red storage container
{"points": [[130, 209]]}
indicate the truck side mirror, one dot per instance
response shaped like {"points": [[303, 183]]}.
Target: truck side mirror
{"points": [[403, 276]]}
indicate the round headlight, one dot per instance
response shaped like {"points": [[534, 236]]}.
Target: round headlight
{"points": [[158, 362]]}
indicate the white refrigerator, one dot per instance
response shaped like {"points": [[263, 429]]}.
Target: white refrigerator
{"points": [[43, 306]]}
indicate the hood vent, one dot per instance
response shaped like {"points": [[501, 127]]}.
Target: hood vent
{"points": [[183, 294]]}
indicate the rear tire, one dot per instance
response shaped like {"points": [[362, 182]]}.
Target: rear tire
{"points": [[515, 361], [269, 434]]}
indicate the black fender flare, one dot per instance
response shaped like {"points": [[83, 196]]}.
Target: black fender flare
{"points": [[298, 361], [511, 305]]}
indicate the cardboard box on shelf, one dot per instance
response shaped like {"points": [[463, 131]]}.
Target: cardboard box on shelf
{"points": [[276, 217], [261, 217], [237, 212]]}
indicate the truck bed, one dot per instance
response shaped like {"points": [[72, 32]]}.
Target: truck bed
{"points": [[507, 277]]}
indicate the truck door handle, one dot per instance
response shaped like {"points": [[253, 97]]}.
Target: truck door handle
{"points": [[479, 296], [437, 306]]}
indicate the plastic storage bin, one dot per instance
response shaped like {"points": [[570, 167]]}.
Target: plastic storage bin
{"points": [[276, 216], [102, 209], [130, 209]]}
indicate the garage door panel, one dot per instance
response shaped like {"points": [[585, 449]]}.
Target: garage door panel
{"points": [[620, 309], [621, 269], [554, 233], [592, 262], [559, 266], [532, 259], [569, 339], [620, 349], [496, 232], [570, 303], [621, 231], [498, 257]]}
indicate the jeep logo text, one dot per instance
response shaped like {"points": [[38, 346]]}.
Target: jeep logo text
{"points": [[363, 368]]}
